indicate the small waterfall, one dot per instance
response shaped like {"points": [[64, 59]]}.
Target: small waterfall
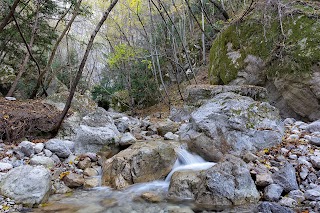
{"points": [[188, 161]]}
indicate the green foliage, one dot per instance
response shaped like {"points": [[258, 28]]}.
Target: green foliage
{"points": [[127, 64]]}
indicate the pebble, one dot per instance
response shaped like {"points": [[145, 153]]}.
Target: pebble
{"points": [[297, 195], [5, 166], [315, 160], [287, 201], [263, 179], [312, 194], [38, 148], [273, 192]]}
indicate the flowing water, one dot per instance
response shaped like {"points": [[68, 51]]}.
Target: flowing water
{"points": [[105, 199]]}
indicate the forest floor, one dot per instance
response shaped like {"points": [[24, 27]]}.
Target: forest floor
{"points": [[25, 118]]}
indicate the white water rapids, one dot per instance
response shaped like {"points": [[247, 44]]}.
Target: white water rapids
{"points": [[105, 199]]}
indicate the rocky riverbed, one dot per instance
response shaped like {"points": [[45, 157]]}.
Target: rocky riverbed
{"points": [[109, 162]]}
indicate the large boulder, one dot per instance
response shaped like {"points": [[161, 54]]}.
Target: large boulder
{"points": [[225, 184], [27, 184], [248, 52], [235, 123], [95, 131], [141, 162]]}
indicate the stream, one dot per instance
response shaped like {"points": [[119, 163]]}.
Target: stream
{"points": [[107, 200]]}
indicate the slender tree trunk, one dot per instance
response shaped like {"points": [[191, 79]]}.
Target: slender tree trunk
{"points": [[26, 59], [83, 62], [29, 51], [220, 8], [53, 52], [179, 36], [203, 35], [10, 14]]}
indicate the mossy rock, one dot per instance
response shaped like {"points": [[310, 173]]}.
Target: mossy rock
{"points": [[282, 56], [293, 53]]}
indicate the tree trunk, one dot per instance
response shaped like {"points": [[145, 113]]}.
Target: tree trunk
{"points": [[53, 52], [26, 59], [83, 62], [203, 35], [7, 18]]}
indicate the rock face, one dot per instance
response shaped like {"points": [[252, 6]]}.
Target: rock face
{"points": [[141, 162], [244, 54], [196, 95], [26, 184], [235, 123], [225, 184], [95, 131]]}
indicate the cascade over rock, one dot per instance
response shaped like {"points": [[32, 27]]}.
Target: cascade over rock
{"points": [[227, 183]]}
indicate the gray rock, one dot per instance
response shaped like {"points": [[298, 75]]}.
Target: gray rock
{"points": [[184, 185], [27, 148], [205, 147], [273, 192], [141, 162], [237, 123], [249, 157], [167, 126], [227, 183], [286, 177], [27, 184], [263, 179], [289, 121], [10, 98], [196, 95], [314, 127], [171, 136], [95, 131], [61, 188], [304, 171], [62, 148], [127, 139], [293, 137], [91, 182], [38, 148], [122, 124], [42, 160], [315, 140], [297, 195], [47, 152], [267, 207], [73, 180], [5, 166], [85, 163], [90, 172], [312, 194], [56, 159], [287, 201], [180, 114]]}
